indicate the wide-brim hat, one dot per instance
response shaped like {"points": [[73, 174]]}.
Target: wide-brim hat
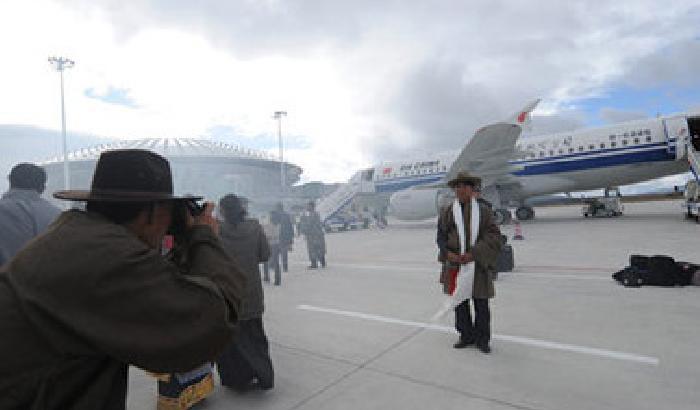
{"points": [[465, 177], [129, 175]]}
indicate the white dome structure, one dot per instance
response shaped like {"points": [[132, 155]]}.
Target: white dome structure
{"points": [[199, 166]]}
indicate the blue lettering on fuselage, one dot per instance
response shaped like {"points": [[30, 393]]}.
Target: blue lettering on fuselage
{"points": [[654, 152]]}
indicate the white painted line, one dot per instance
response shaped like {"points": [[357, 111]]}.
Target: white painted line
{"points": [[435, 268], [611, 354], [555, 276]]}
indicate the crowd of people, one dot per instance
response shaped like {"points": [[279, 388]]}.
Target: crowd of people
{"points": [[139, 276]]}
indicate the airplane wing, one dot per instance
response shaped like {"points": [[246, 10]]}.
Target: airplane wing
{"points": [[487, 153]]}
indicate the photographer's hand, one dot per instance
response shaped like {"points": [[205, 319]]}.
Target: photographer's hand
{"points": [[205, 218]]}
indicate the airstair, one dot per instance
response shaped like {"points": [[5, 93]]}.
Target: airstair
{"points": [[341, 199], [694, 160]]}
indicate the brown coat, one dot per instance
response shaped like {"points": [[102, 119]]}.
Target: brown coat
{"points": [[88, 298], [486, 248]]}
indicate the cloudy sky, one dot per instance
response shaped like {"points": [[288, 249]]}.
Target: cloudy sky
{"points": [[362, 80]]}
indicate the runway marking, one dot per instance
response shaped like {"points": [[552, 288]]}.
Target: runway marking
{"points": [[610, 354], [434, 268], [554, 276]]}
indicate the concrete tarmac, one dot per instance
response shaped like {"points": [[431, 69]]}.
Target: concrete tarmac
{"points": [[359, 335]]}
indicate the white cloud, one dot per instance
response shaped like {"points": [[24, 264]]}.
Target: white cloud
{"points": [[361, 80]]}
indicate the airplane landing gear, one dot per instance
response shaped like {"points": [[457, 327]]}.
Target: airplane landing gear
{"points": [[502, 216], [525, 213]]}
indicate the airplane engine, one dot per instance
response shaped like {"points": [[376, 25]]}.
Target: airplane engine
{"points": [[418, 204]]}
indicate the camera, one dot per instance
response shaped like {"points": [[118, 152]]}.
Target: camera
{"points": [[181, 209]]}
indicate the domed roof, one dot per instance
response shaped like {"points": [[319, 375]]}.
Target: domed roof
{"points": [[169, 148]]}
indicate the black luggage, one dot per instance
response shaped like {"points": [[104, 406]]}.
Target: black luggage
{"points": [[663, 271], [630, 277], [686, 272], [505, 261], [639, 262]]}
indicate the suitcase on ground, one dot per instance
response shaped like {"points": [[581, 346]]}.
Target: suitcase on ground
{"points": [[505, 261]]}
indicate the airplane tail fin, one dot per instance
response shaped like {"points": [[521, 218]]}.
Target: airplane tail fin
{"points": [[522, 117]]}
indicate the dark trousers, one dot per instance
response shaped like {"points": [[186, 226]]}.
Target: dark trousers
{"points": [[478, 331], [274, 261]]}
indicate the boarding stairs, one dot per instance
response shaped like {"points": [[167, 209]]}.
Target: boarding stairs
{"points": [[338, 200], [694, 160], [342, 198]]}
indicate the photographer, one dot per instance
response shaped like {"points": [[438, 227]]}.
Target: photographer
{"points": [[93, 294]]}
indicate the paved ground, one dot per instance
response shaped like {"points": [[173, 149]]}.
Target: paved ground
{"points": [[358, 334]]}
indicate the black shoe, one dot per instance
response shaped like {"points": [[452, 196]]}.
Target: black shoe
{"points": [[312, 267], [485, 348], [463, 343]]}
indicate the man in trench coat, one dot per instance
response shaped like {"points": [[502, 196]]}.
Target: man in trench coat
{"points": [[312, 228], [483, 255], [93, 294]]}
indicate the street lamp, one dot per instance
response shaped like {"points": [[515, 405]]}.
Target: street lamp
{"points": [[61, 64], [278, 116]]}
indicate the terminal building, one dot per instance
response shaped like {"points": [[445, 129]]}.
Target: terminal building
{"points": [[202, 167]]}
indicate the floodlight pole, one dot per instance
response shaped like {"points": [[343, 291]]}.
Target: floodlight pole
{"points": [[61, 64], [283, 178]]}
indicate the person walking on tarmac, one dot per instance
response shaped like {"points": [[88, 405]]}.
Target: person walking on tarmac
{"points": [[271, 228], [94, 295], [286, 235], [469, 244], [312, 229], [245, 364]]}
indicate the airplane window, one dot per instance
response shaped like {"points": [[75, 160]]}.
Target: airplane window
{"points": [[591, 146], [648, 138], [636, 140], [624, 142], [613, 144]]}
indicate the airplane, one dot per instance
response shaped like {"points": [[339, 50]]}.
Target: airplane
{"points": [[515, 168]]}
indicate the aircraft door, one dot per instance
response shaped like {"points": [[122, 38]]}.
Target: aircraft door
{"points": [[367, 180], [677, 134]]}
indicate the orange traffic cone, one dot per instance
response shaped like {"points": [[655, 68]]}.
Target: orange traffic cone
{"points": [[518, 232]]}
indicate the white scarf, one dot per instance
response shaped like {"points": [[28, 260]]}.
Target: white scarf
{"points": [[465, 277]]}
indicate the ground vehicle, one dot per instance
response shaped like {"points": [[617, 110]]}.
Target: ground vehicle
{"points": [[335, 223], [692, 200], [599, 207]]}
